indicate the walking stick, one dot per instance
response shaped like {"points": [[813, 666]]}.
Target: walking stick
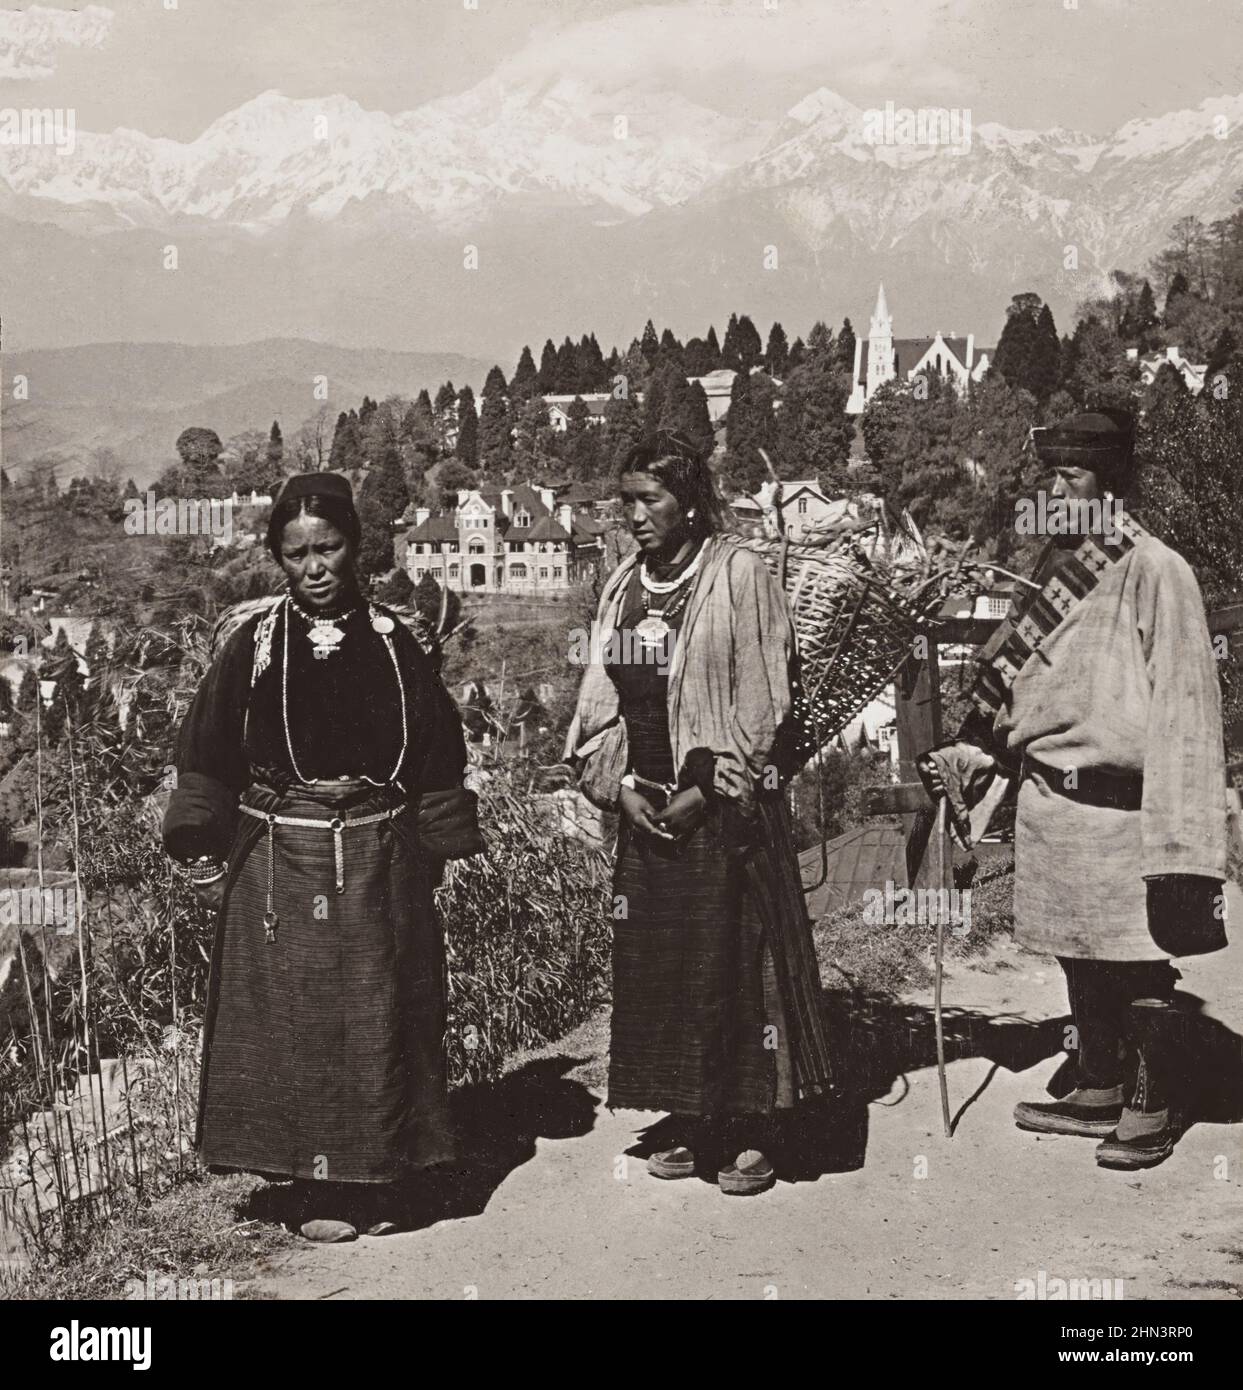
{"points": [[942, 805]]}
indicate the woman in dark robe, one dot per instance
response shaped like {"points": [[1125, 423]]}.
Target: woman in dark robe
{"points": [[683, 715], [319, 793]]}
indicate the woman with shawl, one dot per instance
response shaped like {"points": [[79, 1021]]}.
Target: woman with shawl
{"points": [[682, 721]]}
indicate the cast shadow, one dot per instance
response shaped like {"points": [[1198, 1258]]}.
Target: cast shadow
{"points": [[496, 1125]]}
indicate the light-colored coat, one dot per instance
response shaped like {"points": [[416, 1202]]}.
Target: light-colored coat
{"points": [[729, 679], [1125, 684]]}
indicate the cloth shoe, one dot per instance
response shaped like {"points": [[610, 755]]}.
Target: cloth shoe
{"points": [[748, 1175], [1087, 1112], [672, 1163]]}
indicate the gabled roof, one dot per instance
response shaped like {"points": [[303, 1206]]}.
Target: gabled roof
{"points": [[547, 529], [435, 528], [909, 352]]}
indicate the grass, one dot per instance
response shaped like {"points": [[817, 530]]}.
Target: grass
{"points": [[891, 959], [191, 1232]]}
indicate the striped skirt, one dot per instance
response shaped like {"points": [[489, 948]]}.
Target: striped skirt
{"points": [[323, 1050], [716, 994]]}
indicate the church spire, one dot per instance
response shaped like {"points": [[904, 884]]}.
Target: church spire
{"points": [[882, 319]]}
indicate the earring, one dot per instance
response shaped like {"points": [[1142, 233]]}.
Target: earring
{"points": [[690, 514]]}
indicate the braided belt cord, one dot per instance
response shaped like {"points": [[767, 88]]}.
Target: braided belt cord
{"points": [[337, 825]]}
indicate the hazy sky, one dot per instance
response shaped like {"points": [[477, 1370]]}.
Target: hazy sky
{"points": [[1033, 63]]}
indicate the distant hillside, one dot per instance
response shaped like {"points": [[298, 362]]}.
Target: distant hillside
{"points": [[138, 397]]}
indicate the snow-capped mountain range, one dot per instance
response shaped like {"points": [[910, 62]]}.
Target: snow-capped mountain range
{"points": [[455, 161], [590, 208]]}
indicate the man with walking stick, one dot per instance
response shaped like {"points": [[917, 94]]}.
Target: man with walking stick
{"points": [[1099, 696]]}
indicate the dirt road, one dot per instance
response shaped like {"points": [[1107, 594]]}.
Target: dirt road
{"points": [[563, 1207]]}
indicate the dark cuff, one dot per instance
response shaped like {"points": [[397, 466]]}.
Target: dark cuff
{"points": [[200, 819], [697, 771]]}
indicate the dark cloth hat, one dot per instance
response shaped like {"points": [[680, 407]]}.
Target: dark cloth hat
{"points": [[315, 485], [1101, 440], [327, 485]]}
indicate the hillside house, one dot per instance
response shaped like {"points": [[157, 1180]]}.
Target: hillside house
{"points": [[510, 540], [1192, 373], [559, 408]]}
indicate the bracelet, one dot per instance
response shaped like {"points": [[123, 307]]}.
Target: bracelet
{"points": [[204, 869], [628, 781]]}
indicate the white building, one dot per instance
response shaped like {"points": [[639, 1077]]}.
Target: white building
{"points": [[559, 408], [880, 358], [1192, 373]]}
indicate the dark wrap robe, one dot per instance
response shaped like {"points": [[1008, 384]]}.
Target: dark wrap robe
{"points": [[323, 1051]]}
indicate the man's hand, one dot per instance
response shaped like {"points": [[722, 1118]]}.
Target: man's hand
{"points": [[684, 813], [211, 895], [931, 776], [641, 814]]}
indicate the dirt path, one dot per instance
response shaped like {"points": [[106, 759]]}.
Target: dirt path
{"points": [[563, 1213]]}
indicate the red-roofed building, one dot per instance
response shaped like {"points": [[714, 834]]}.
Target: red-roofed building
{"points": [[510, 540], [880, 357]]}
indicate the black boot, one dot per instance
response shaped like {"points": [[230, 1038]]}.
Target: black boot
{"points": [[1094, 1107], [1149, 1127]]}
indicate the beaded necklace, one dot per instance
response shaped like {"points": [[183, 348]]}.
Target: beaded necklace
{"points": [[383, 626]]}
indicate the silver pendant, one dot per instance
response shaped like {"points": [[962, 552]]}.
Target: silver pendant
{"points": [[382, 624], [325, 637], [652, 632]]}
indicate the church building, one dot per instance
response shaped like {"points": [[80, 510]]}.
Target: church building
{"points": [[880, 357]]}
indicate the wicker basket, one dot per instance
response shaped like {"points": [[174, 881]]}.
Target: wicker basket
{"points": [[855, 626]]}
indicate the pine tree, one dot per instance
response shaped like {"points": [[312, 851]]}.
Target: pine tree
{"points": [[813, 431], [730, 355], [1098, 372], [580, 448], [525, 379], [777, 354], [375, 550], [1044, 370], [623, 429], [338, 446], [546, 380], [696, 420], [1179, 286], [591, 374], [696, 358], [1145, 319], [495, 445], [748, 428], [846, 346], [467, 448], [385, 485], [444, 412], [1028, 352], [276, 450], [820, 339], [671, 350], [714, 351], [532, 445], [750, 344], [798, 354], [649, 344]]}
